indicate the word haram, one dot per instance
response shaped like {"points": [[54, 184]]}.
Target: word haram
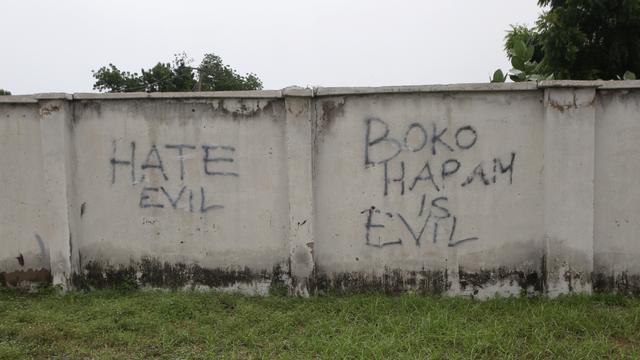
{"points": [[217, 162], [437, 178], [426, 158]]}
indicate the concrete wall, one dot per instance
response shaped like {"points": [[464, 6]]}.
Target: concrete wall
{"points": [[24, 218], [457, 189]]}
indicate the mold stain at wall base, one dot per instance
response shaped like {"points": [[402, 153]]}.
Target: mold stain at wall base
{"points": [[150, 272], [391, 281], [623, 283], [528, 281], [25, 278], [433, 282]]}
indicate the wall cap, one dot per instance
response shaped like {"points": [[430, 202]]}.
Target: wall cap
{"points": [[296, 91], [471, 87], [251, 94], [53, 96], [18, 99], [543, 84]]}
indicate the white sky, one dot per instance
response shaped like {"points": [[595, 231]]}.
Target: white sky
{"points": [[48, 46]]}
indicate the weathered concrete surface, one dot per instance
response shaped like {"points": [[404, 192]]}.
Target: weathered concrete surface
{"points": [[184, 181], [431, 182], [568, 181], [24, 255], [470, 189], [617, 204]]}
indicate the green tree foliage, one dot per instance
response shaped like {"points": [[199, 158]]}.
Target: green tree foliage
{"points": [[4, 92], [583, 39], [528, 36], [215, 75], [525, 67], [211, 75], [111, 79]]}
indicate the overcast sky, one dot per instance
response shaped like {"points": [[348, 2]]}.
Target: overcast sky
{"points": [[49, 46]]}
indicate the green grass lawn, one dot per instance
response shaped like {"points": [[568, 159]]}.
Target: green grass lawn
{"points": [[185, 325]]}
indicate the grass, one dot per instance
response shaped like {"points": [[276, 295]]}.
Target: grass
{"points": [[184, 325]]}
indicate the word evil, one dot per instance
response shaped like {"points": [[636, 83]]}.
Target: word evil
{"points": [[438, 218], [213, 159]]}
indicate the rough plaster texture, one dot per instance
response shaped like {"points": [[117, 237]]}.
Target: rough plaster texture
{"points": [[24, 252], [398, 212], [617, 209], [458, 189]]}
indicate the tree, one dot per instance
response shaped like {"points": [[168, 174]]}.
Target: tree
{"points": [[214, 75], [583, 39], [211, 75], [4, 92], [525, 67]]}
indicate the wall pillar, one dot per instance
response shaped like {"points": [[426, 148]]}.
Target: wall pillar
{"points": [[569, 151], [299, 145], [55, 122]]}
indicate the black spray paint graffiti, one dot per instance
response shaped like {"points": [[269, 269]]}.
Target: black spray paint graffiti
{"points": [[217, 162], [438, 218], [423, 161]]}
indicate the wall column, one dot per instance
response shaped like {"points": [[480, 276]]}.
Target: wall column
{"points": [[55, 123], [299, 145], [569, 151]]}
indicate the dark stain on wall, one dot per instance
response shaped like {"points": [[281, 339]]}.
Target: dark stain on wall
{"points": [[186, 109], [90, 105], [243, 111], [526, 280], [392, 281], [623, 283], [20, 259], [425, 282], [49, 109], [331, 109], [31, 276], [155, 273]]}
